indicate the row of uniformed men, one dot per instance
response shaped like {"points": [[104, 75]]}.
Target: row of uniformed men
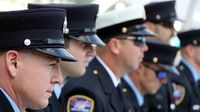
{"points": [[116, 80]]}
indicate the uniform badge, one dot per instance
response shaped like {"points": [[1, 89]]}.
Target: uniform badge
{"points": [[178, 93], [80, 103]]}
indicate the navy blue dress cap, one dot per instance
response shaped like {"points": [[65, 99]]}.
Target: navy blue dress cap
{"points": [[189, 37], [160, 53], [163, 13], [81, 19], [41, 30]]}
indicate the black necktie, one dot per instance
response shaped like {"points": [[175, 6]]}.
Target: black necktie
{"points": [[119, 89], [125, 104]]}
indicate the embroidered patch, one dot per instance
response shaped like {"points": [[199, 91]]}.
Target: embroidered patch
{"points": [[80, 103], [178, 93]]}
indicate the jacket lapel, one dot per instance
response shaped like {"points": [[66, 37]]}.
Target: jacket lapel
{"points": [[107, 86], [184, 70]]}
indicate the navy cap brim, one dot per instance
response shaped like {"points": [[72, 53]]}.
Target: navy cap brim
{"points": [[92, 39], [143, 32], [57, 52]]}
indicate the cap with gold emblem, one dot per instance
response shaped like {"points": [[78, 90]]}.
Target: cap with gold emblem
{"points": [[41, 30], [127, 21], [81, 19], [160, 53]]}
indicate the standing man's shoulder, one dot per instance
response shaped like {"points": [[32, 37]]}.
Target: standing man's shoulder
{"points": [[82, 93]]}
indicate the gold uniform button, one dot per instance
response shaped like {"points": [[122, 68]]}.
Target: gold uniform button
{"points": [[95, 72], [124, 90]]}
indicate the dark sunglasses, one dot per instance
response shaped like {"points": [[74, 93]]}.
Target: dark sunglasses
{"points": [[160, 74], [138, 40]]}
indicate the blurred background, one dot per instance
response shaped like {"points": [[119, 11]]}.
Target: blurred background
{"points": [[188, 10]]}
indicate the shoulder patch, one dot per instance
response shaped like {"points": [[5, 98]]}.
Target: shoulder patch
{"points": [[178, 93], [80, 103]]}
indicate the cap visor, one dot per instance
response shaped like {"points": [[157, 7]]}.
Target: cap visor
{"points": [[57, 52], [144, 32], [92, 39]]}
